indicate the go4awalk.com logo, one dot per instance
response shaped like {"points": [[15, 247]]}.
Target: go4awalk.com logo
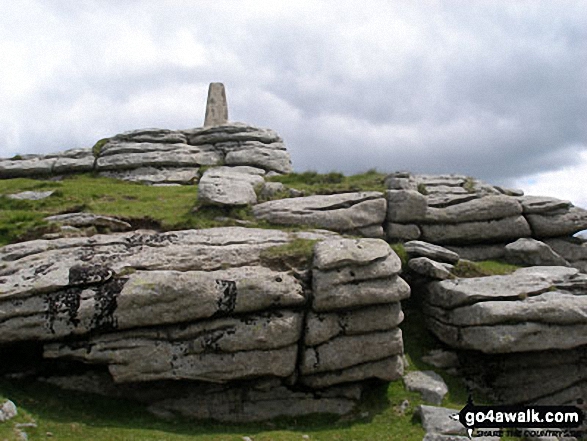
{"points": [[511, 420]]}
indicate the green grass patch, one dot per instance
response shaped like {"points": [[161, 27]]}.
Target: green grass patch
{"points": [[466, 268], [312, 182], [295, 254]]}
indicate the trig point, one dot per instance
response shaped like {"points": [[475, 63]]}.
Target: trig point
{"points": [[216, 107]]}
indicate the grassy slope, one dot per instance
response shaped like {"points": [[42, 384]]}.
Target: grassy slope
{"points": [[70, 416]]}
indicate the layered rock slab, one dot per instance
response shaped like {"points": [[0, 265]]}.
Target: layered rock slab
{"points": [[361, 213], [198, 307]]}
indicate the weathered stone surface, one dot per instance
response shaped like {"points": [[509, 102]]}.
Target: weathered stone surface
{"points": [[20, 168], [321, 327], [417, 248], [156, 175], [441, 200], [482, 209], [557, 223], [341, 252], [477, 232], [216, 106], [444, 189], [429, 268], [151, 135], [71, 162], [129, 155], [30, 195], [230, 186], [523, 283], [89, 220], [442, 180], [543, 204], [388, 369], [231, 132], [346, 351], [42, 266], [402, 232], [428, 383], [353, 273], [270, 189], [8, 411], [338, 212], [405, 206], [438, 420], [551, 307], [532, 252], [371, 292], [218, 350], [270, 157], [570, 248]]}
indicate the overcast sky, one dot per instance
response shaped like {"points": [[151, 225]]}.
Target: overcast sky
{"points": [[492, 89]]}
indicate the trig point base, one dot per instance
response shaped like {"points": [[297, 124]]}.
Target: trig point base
{"points": [[216, 106]]}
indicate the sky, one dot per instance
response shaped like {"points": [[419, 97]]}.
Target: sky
{"points": [[492, 89]]}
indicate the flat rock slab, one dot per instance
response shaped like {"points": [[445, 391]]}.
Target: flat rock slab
{"points": [[439, 420], [417, 248], [80, 220], [481, 209], [156, 175], [543, 204], [270, 157], [230, 186], [31, 195], [8, 411], [499, 230], [347, 212], [523, 283], [230, 132]]}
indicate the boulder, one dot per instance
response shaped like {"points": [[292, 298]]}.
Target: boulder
{"points": [[476, 232], [8, 411], [151, 135], [440, 420], [429, 268], [401, 232], [479, 252], [553, 224], [416, 248], [532, 252], [347, 212], [428, 383], [341, 252], [270, 157], [405, 206], [230, 186]]}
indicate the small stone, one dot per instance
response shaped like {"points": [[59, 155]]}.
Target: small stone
{"points": [[31, 195], [429, 268], [428, 383], [305, 436], [247, 438], [403, 407]]}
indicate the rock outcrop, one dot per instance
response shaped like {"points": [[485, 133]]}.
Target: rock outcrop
{"points": [[205, 308], [355, 213], [157, 156]]}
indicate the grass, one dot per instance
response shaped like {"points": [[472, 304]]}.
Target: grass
{"points": [[295, 254], [466, 268], [330, 183]]}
